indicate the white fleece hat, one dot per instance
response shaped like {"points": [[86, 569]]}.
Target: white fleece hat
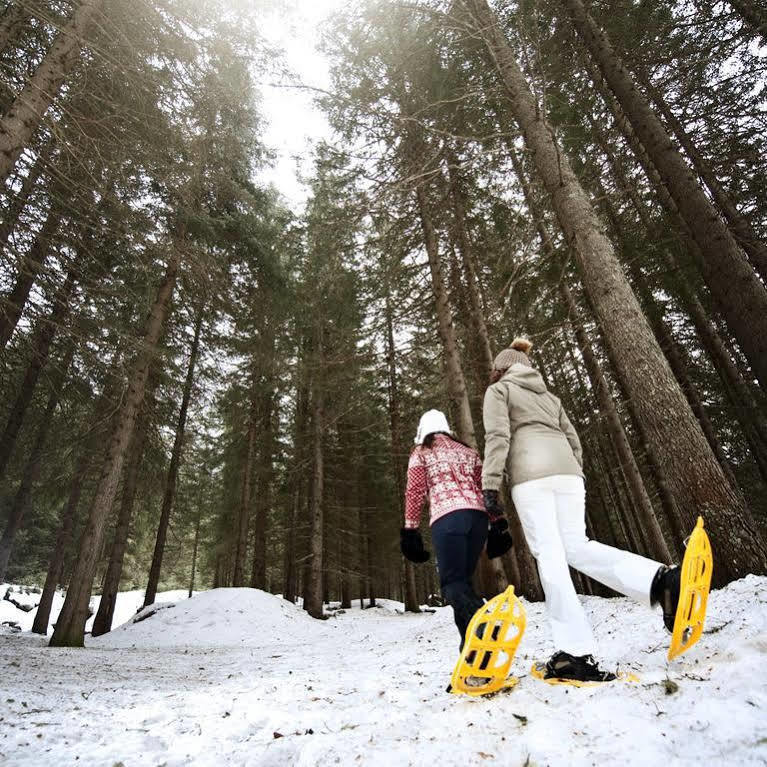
{"points": [[431, 421]]}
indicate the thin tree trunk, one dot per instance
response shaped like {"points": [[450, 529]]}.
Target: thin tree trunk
{"points": [[19, 202], [466, 252], [41, 345], [26, 113], [698, 483], [34, 463], [12, 304], [737, 290], [313, 585], [397, 453], [197, 522], [171, 483], [456, 383], [102, 622], [264, 478], [70, 628]]}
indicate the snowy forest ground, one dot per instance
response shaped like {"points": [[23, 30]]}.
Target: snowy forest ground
{"points": [[237, 676]]}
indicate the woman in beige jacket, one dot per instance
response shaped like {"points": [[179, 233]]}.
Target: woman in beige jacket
{"points": [[528, 434]]}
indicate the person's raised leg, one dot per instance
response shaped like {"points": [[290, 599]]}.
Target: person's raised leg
{"points": [[624, 572], [536, 507]]}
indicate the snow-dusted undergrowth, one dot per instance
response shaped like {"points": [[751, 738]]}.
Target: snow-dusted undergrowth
{"points": [[242, 677]]}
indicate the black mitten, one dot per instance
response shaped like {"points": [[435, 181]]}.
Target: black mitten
{"points": [[411, 543], [492, 506], [499, 539]]}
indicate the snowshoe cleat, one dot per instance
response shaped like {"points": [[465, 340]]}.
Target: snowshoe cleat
{"points": [[492, 638], [694, 585], [575, 670]]}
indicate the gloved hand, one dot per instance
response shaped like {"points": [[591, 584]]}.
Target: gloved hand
{"points": [[492, 507], [499, 539], [411, 543]]}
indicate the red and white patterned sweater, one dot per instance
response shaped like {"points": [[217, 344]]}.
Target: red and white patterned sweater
{"points": [[449, 473]]}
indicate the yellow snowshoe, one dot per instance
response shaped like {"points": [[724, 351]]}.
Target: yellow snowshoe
{"points": [[579, 671], [492, 639], [695, 582]]}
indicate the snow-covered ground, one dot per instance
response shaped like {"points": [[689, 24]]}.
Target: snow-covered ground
{"points": [[240, 677]]}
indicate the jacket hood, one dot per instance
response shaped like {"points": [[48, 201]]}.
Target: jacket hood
{"points": [[526, 377]]}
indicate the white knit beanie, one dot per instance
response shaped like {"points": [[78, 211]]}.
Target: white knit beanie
{"points": [[431, 421], [516, 353]]}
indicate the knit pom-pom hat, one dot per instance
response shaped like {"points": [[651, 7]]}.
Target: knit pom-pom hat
{"points": [[516, 353]]}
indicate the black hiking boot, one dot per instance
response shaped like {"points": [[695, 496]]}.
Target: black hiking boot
{"points": [[580, 668], [665, 591]]}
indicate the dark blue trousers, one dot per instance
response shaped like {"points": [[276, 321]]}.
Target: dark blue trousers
{"points": [[458, 539]]}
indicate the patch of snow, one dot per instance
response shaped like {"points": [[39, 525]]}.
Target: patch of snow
{"points": [[241, 677]]}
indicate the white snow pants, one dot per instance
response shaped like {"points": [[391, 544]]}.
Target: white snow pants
{"points": [[552, 511]]}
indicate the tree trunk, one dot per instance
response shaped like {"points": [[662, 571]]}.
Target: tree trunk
{"points": [[26, 113], [195, 546], [313, 585], [41, 346], [32, 264], [748, 412], [739, 294], [171, 483], [599, 385], [66, 522], [456, 383], [63, 536], [742, 230], [625, 455], [34, 462], [264, 478], [466, 252], [12, 22], [102, 623], [70, 628], [19, 202], [698, 483], [397, 453]]}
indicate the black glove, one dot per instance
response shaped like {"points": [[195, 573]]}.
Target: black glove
{"points": [[492, 507], [499, 539], [411, 543]]}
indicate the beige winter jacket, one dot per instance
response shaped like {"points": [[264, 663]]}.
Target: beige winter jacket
{"points": [[519, 412]]}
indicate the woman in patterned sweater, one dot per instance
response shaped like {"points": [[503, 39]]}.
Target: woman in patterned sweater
{"points": [[448, 473]]}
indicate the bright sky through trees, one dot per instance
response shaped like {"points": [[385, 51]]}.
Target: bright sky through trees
{"points": [[294, 123]]}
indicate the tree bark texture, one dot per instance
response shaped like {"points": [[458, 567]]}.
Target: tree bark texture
{"points": [[19, 125]]}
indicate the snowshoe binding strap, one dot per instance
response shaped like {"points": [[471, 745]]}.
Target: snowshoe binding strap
{"points": [[492, 638], [697, 567]]}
